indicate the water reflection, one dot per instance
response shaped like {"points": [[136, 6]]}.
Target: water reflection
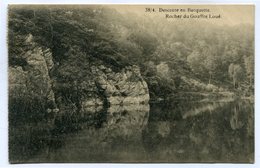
{"points": [[208, 132], [167, 132], [116, 139], [237, 117]]}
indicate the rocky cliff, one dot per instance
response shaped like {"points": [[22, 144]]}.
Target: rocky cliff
{"points": [[125, 87], [32, 80], [100, 87], [108, 88]]}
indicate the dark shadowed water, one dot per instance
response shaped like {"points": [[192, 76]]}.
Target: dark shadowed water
{"points": [[160, 132]]}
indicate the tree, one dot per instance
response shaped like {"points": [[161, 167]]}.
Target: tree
{"points": [[249, 66], [236, 73], [195, 60], [210, 65], [146, 41]]}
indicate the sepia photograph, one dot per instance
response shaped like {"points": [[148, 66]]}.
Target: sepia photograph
{"points": [[131, 83]]}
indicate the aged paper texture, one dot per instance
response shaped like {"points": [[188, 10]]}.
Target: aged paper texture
{"points": [[131, 83]]}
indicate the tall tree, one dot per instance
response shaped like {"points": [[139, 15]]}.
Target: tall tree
{"points": [[249, 66], [236, 73]]}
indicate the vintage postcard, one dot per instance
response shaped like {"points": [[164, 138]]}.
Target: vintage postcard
{"points": [[131, 83]]}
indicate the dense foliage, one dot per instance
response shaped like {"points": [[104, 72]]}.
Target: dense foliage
{"points": [[212, 56]]}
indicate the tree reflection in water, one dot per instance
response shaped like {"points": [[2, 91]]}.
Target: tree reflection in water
{"points": [[208, 132], [168, 132], [117, 139]]}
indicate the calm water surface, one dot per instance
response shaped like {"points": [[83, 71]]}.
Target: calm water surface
{"points": [[160, 132]]}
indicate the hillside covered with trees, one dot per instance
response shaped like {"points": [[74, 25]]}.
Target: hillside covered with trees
{"points": [[173, 57]]}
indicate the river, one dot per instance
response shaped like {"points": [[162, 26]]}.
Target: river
{"points": [[182, 131]]}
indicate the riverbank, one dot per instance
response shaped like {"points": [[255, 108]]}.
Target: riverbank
{"points": [[197, 96]]}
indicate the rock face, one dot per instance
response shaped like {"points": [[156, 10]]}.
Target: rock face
{"points": [[33, 79], [103, 87], [115, 88], [125, 87]]}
